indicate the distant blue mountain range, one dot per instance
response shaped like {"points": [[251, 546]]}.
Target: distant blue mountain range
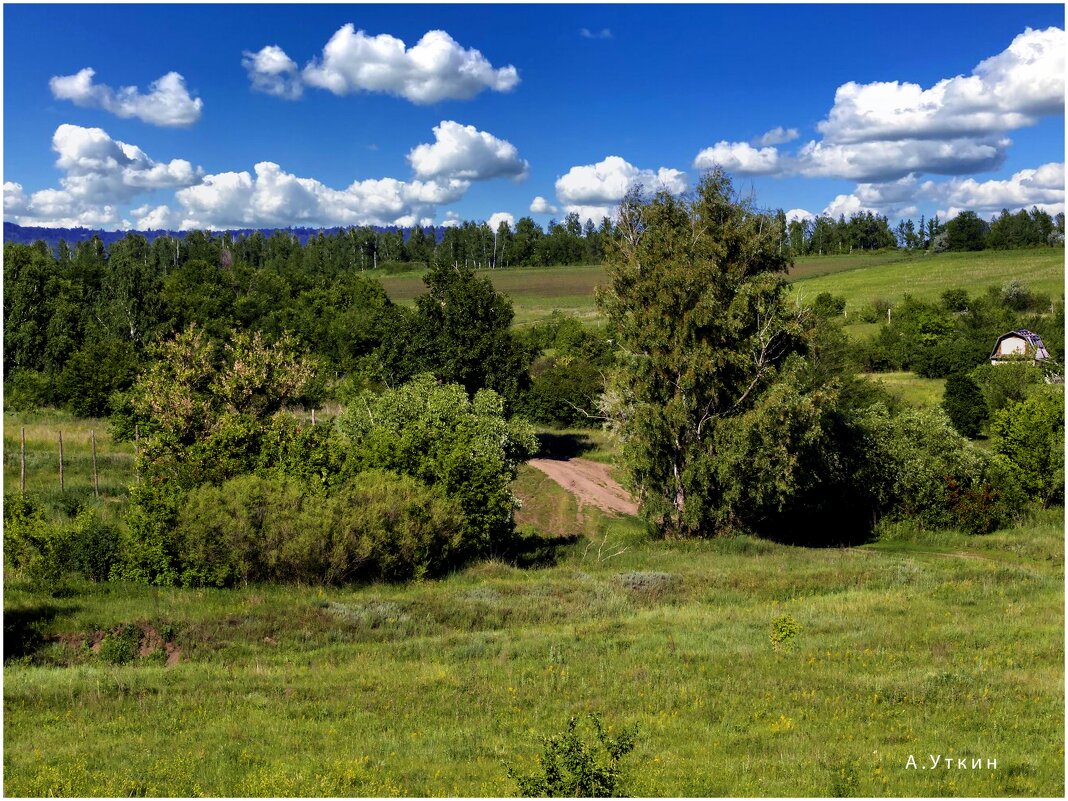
{"points": [[27, 235]]}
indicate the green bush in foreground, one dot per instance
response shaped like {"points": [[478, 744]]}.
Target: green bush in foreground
{"points": [[44, 551], [461, 447], [252, 529], [1030, 435], [571, 768]]}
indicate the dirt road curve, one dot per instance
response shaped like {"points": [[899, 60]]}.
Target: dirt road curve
{"points": [[588, 481]]}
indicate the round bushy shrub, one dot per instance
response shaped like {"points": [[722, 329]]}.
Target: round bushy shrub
{"points": [[919, 467], [964, 405], [461, 446], [563, 393], [251, 529], [1030, 435]]}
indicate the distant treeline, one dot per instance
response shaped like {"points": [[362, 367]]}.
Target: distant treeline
{"points": [[572, 241], [471, 244], [967, 231]]}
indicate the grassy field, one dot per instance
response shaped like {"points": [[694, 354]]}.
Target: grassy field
{"points": [[115, 461], [860, 278], [535, 292], [920, 644], [926, 277], [911, 388]]}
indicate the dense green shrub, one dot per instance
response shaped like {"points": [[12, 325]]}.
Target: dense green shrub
{"points": [[571, 768], [463, 447], [963, 403], [379, 526], [954, 354], [916, 461], [828, 305], [26, 390], [955, 300], [1030, 435], [94, 373], [33, 546], [876, 312], [563, 392], [93, 546], [978, 509], [1002, 384], [316, 454], [44, 551]]}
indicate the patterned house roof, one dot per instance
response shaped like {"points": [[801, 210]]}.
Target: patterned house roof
{"points": [[1035, 342]]}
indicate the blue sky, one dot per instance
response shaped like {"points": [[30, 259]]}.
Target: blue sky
{"points": [[902, 109]]}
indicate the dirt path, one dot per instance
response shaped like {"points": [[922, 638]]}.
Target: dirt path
{"points": [[590, 482]]}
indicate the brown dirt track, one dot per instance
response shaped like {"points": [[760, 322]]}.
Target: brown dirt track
{"points": [[590, 482]]}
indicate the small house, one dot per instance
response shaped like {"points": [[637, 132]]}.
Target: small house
{"points": [[1017, 346]]}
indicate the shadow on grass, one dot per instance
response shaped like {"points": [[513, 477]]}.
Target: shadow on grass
{"points": [[531, 549], [22, 628], [843, 527], [563, 446]]}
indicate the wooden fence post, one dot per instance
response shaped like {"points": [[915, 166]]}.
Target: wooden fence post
{"points": [[313, 415], [96, 477], [61, 489], [22, 461], [137, 453]]}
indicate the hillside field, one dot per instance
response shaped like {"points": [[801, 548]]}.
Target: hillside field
{"points": [[860, 278]]}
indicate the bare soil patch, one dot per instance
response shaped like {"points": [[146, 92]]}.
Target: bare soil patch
{"points": [[590, 483]]}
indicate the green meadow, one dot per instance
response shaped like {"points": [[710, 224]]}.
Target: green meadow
{"points": [[918, 645], [750, 668]]}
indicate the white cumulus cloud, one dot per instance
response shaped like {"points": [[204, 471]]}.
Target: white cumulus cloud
{"points": [[273, 72], [776, 136], [1042, 187], [274, 197], [167, 102], [435, 68], [845, 206], [464, 152], [540, 205], [740, 158], [605, 183], [799, 214], [1010, 90], [99, 173], [498, 217], [889, 160], [595, 213]]}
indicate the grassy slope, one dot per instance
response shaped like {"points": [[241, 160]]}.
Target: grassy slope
{"points": [[926, 277], [925, 644], [860, 278]]}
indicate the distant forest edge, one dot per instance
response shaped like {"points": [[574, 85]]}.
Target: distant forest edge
{"points": [[573, 241]]}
